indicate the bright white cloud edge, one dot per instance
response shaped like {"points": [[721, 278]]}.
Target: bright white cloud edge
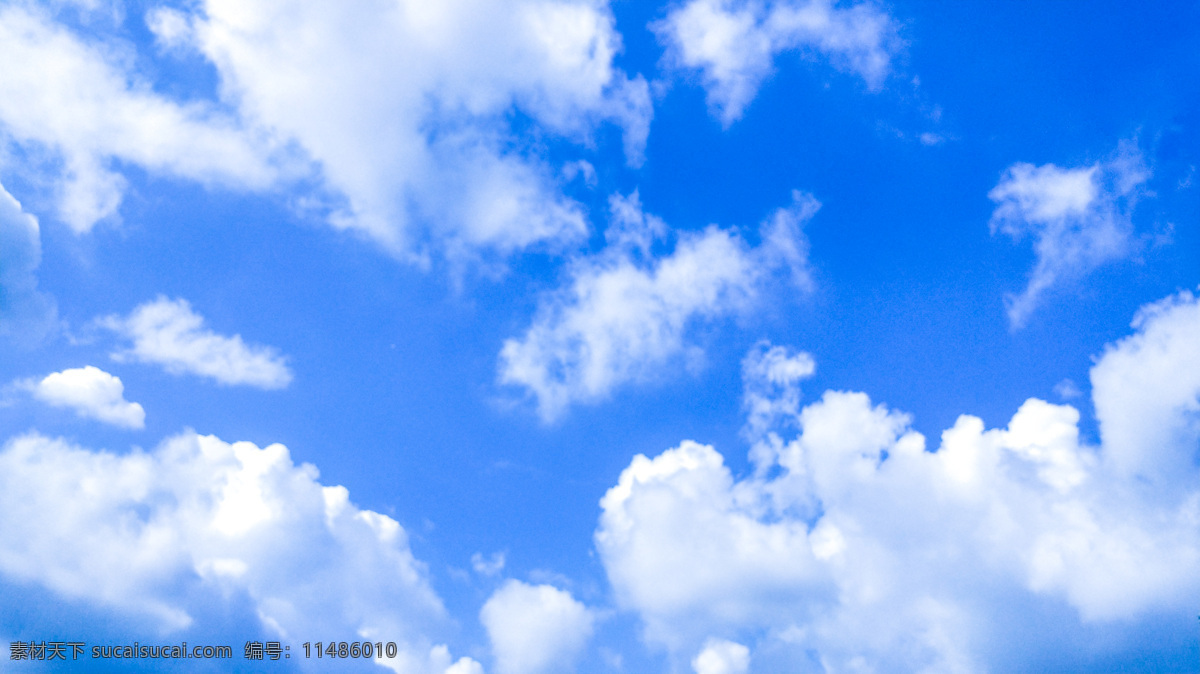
{"points": [[624, 314], [721, 656], [92, 393], [734, 43], [413, 157], [94, 113], [853, 545], [416, 144], [535, 628], [398, 114], [26, 313], [174, 534], [169, 333]]}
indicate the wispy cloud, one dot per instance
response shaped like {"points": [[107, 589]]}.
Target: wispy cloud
{"points": [[168, 333], [404, 108], [393, 121], [94, 112], [1078, 218], [625, 314], [733, 43]]}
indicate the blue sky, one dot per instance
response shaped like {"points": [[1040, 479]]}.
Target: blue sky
{"points": [[572, 335]]}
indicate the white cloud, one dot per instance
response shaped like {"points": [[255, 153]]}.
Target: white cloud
{"points": [[630, 228], [168, 333], [1078, 218], [1145, 392], [722, 657], [26, 313], [771, 375], [733, 43], [92, 393], [80, 101], [852, 546], [465, 665], [535, 628], [626, 314], [489, 566], [171, 27], [401, 111], [199, 523], [404, 105]]}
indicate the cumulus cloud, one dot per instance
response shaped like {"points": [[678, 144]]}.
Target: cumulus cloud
{"points": [[94, 113], [402, 112], [625, 313], [197, 523], [25, 313], [535, 628], [853, 548], [1145, 389], [168, 333], [733, 43], [404, 105], [92, 393], [1078, 218], [722, 657]]}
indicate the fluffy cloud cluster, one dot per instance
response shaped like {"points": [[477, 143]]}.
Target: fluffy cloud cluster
{"points": [[198, 522], [853, 548], [1145, 392], [1078, 219], [168, 333], [733, 43], [92, 393], [625, 313], [403, 105], [402, 109], [93, 113], [535, 628], [24, 311]]}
